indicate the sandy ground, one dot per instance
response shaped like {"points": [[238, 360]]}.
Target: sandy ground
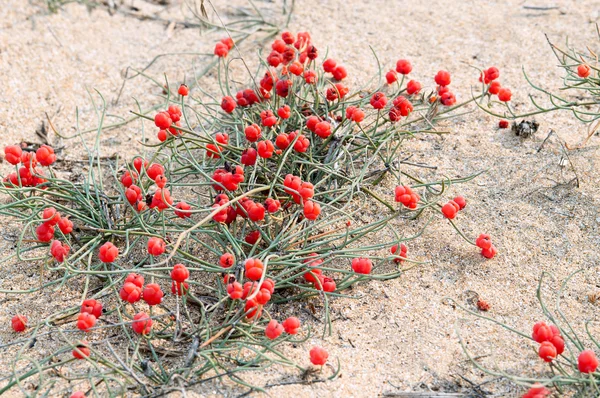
{"points": [[397, 335]]}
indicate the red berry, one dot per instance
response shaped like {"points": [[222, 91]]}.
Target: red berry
{"points": [[59, 251], [226, 260], [228, 41], [378, 100], [77, 394], [582, 70], [28, 159], [265, 149], [484, 242], [329, 65], [537, 391], [136, 279], [310, 77], [324, 283], [403, 66], [65, 225], [311, 210], [179, 273], [302, 143], [50, 216], [81, 350], [489, 253], [235, 290], [92, 306], [45, 232], [491, 74], [291, 325], [130, 292], [442, 78], [284, 112], [12, 154], [339, 73], [85, 321], [296, 68], [494, 88], [542, 332], [155, 170], [288, 37], [221, 50], [391, 77], [362, 265], [152, 294], [179, 288], [504, 95], [108, 253], [460, 201], [254, 269], [142, 324], [45, 155], [272, 205], [449, 211], [183, 90], [183, 210], [413, 87], [156, 246], [547, 351], [249, 157], [318, 356], [253, 309], [252, 237], [19, 323], [273, 330], [503, 124], [252, 133], [559, 343], [323, 129], [162, 120], [228, 104], [587, 362], [402, 253]]}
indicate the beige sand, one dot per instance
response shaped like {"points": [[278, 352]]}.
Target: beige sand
{"points": [[396, 336]]}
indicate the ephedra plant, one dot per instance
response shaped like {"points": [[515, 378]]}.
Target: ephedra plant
{"points": [[186, 261]]}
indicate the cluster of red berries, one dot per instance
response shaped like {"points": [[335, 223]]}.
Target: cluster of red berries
{"points": [[45, 231], [489, 77], [302, 192], [274, 329], [255, 293], [401, 254], [551, 342], [484, 242], [406, 196], [446, 97], [161, 198], [90, 311], [28, 175], [315, 275], [168, 122], [451, 209], [223, 47]]}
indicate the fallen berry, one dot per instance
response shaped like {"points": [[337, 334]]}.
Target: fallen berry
{"points": [[19, 323], [537, 391], [362, 265], [318, 356], [503, 124]]}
